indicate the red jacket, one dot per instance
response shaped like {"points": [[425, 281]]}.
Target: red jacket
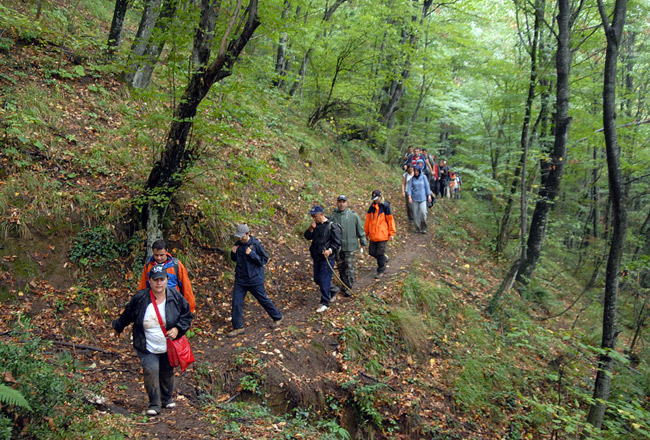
{"points": [[379, 224], [180, 282]]}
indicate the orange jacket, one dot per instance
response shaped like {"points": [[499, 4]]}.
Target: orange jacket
{"points": [[180, 282], [379, 224]]}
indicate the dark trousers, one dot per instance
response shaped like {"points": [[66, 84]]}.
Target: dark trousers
{"points": [[377, 249], [323, 277], [238, 296], [158, 378], [345, 262], [409, 209]]}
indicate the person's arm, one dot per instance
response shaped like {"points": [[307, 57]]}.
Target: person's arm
{"points": [[186, 286], [127, 316], [144, 278], [335, 239], [366, 225], [404, 185], [257, 254], [391, 222], [361, 233], [184, 318]]}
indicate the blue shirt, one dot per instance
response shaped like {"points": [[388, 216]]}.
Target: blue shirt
{"points": [[418, 188]]}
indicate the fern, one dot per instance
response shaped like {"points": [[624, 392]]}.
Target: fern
{"points": [[13, 397]]}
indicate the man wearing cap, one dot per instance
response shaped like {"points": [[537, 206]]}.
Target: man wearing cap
{"points": [[250, 257], [352, 235], [325, 243], [379, 227]]}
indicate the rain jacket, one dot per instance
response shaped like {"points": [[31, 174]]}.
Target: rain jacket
{"points": [[176, 277], [353, 231], [380, 224]]}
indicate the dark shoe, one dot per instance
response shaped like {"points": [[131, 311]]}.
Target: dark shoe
{"points": [[236, 332], [276, 324], [346, 293]]}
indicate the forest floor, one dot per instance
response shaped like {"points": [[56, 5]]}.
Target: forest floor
{"points": [[298, 363]]}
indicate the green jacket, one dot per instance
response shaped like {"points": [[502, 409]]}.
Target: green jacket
{"points": [[353, 232]]}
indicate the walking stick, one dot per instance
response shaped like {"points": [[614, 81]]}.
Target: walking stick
{"points": [[339, 278]]}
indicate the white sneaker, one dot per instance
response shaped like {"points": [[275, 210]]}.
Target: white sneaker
{"points": [[152, 412], [170, 405], [322, 308]]}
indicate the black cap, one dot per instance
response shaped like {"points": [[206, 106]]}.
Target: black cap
{"points": [[376, 194], [342, 197], [158, 271]]}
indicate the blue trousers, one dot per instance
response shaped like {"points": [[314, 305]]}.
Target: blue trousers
{"points": [[238, 296], [323, 277]]}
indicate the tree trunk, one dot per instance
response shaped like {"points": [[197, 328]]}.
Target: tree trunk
{"points": [[167, 174], [281, 53], [553, 167], [205, 33], [602, 386], [142, 64], [115, 33]]}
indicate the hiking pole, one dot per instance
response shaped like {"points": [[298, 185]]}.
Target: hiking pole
{"points": [[339, 278]]}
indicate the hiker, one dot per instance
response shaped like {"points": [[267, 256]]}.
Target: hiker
{"points": [[380, 228], [325, 239], [419, 193], [444, 179], [428, 166], [457, 183], [250, 257], [352, 235], [148, 338], [177, 274], [406, 177], [407, 157]]}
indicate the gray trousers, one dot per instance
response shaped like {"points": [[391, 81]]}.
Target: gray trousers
{"points": [[158, 378], [420, 215]]}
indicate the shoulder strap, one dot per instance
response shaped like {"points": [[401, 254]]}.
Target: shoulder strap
{"points": [[155, 307], [175, 263]]}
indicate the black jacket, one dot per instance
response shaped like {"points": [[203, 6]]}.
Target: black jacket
{"points": [[250, 268], [324, 236], [177, 314]]}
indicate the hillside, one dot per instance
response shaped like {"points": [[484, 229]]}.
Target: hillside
{"points": [[412, 355]]}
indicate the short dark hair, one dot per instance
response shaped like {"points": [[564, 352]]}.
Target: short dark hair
{"points": [[159, 245]]}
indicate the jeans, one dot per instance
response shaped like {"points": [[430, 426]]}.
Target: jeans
{"points": [[377, 249], [238, 296], [158, 378], [323, 277]]}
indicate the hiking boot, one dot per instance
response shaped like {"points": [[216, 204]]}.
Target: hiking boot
{"points": [[276, 324], [236, 332], [346, 293], [170, 405], [152, 412], [322, 308]]}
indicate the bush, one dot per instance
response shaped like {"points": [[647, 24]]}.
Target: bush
{"points": [[96, 247]]}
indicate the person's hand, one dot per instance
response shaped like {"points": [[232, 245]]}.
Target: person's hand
{"points": [[234, 249], [172, 333], [312, 226], [248, 250], [390, 238], [327, 253], [429, 198], [410, 199]]}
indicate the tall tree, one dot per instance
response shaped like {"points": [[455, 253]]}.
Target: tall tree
{"points": [[117, 24], [150, 42], [602, 385], [553, 165], [178, 154]]}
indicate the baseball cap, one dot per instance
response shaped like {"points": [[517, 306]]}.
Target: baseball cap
{"points": [[342, 197], [376, 194], [241, 230], [315, 210], [158, 271]]}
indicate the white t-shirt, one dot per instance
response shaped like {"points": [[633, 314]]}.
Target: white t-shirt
{"points": [[156, 342]]}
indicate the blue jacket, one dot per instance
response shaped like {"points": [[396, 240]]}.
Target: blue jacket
{"points": [[418, 188], [249, 270]]}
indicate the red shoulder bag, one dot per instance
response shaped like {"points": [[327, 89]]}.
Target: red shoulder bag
{"points": [[178, 350]]}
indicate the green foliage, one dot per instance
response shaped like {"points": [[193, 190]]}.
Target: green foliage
{"points": [[96, 247], [10, 396], [51, 393], [366, 399]]}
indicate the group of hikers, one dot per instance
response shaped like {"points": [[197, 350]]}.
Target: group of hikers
{"points": [[162, 308], [425, 180], [334, 242]]}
